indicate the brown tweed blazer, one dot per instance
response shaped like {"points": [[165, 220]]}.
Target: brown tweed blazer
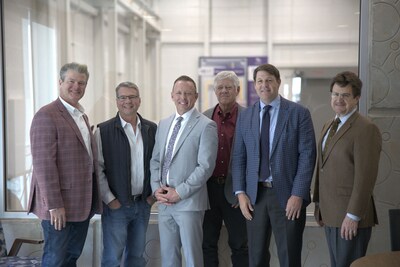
{"points": [[346, 177]]}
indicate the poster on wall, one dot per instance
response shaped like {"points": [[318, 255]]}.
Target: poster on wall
{"points": [[209, 67], [242, 66]]}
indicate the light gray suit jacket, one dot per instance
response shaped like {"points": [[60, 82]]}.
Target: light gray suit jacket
{"points": [[192, 163], [229, 195]]}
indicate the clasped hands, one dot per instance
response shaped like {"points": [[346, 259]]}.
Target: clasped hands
{"points": [[166, 195]]}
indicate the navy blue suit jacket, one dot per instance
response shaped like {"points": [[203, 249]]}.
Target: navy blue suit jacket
{"points": [[292, 157]]}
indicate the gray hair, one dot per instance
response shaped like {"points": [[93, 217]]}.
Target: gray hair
{"points": [[227, 74], [80, 68], [128, 85]]}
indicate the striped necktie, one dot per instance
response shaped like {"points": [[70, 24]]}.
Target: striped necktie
{"points": [[170, 148], [331, 133]]}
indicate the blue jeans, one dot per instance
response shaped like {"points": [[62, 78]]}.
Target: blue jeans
{"points": [[63, 248], [124, 231]]}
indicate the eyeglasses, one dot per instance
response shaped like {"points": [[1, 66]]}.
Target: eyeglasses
{"points": [[344, 95], [126, 97]]}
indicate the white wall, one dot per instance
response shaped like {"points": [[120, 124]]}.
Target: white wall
{"points": [[314, 34]]}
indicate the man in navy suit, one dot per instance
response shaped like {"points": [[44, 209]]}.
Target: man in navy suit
{"points": [[272, 178]]}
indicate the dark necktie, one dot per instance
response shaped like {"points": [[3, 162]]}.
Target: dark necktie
{"points": [[331, 133], [264, 145], [170, 148]]}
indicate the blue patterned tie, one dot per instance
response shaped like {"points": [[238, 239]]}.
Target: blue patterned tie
{"points": [[170, 148], [264, 145]]}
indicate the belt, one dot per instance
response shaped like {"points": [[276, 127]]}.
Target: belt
{"points": [[266, 184], [218, 179], [136, 197]]}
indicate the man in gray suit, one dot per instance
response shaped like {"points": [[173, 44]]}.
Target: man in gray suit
{"points": [[272, 166], [223, 203], [183, 159]]}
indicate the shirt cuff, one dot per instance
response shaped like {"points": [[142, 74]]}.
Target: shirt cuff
{"points": [[353, 217]]}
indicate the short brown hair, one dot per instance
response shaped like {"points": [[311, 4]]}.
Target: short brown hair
{"points": [[186, 78], [271, 69], [348, 78]]}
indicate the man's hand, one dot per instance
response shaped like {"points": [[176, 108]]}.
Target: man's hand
{"points": [[245, 206], [236, 205], [293, 207], [349, 228], [58, 218], [167, 195], [150, 200], [114, 204]]}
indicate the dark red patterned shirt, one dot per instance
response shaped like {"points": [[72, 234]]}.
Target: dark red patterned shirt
{"points": [[226, 129]]}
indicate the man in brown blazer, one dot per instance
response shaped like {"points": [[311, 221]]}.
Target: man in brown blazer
{"points": [[347, 167], [64, 188]]}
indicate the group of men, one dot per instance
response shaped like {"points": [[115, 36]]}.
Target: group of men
{"points": [[247, 168]]}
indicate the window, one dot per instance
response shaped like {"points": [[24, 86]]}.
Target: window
{"points": [[38, 38]]}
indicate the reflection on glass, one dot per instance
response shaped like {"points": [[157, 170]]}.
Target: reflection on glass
{"points": [[39, 37], [30, 58]]}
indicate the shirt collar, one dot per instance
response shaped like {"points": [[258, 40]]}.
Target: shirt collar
{"points": [[219, 110], [275, 103], [71, 109], [124, 123], [185, 115], [344, 118]]}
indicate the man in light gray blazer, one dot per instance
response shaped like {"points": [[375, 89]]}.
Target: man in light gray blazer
{"points": [[183, 159]]}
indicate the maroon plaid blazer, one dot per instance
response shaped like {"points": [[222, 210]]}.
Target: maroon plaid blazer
{"points": [[63, 175]]}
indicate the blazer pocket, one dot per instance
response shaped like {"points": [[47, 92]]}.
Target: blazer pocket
{"points": [[344, 191]]}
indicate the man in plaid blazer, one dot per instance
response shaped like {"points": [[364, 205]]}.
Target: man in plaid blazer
{"points": [[64, 188]]}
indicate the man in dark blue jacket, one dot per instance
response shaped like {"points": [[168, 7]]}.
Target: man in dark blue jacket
{"points": [[272, 166], [125, 145]]}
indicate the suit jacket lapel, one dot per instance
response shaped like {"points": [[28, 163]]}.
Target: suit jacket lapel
{"points": [[164, 135], [282, 119], [339, 134], [255, 123], [320, 141], [193, 120], [68, 118]]}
